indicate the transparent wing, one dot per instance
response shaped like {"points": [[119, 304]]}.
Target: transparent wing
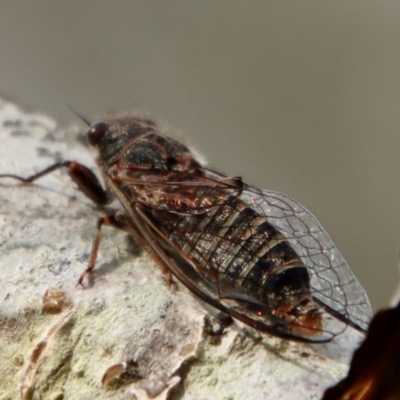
{"points": [[333, 284], [202, 230]]}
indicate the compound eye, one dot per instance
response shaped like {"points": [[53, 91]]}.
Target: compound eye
{"points": [[96, 132]]}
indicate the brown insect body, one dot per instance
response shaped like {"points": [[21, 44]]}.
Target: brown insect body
{"points": [[256, 255], [215, 234]]}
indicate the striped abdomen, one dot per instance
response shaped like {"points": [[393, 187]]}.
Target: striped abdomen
{"points": [[240, 252]]}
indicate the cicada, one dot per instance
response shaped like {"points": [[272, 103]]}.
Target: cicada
{"points": [[255, 255]]}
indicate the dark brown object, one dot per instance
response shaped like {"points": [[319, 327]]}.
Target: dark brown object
{"points": [[375, 369]]}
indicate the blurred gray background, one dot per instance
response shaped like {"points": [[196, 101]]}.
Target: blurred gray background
{"points": [[299, 97]]}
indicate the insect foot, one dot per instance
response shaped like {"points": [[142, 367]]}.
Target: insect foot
{"points": [[215, 327]]}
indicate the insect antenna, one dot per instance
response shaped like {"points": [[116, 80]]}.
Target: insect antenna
{"points": [[86, 121]]}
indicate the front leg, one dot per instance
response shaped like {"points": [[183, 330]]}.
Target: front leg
{"points": [[86, 180], [119, 221]]}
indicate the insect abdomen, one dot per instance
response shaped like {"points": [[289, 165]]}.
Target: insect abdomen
{"points": [[236, 248]]}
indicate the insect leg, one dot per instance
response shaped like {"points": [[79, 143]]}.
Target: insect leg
{"points": [[216, 324], [86, 180], [117, 221]]}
